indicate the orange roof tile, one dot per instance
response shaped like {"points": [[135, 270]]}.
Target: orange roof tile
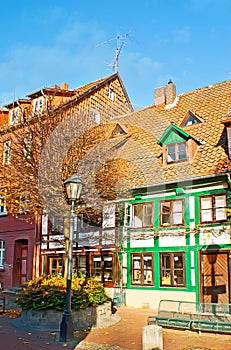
{"points": [[211, 104]]}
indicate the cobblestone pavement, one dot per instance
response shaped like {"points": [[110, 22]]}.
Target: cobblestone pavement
{"points": [[124, 335]]}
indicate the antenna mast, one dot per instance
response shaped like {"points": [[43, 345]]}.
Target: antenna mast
{"points": [[119, 44]]}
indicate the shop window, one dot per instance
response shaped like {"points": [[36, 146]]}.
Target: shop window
{"points": [[213, 208], [142, 268], [102, 268], [2, 253], [142, 215], [172, 269], [172, 212]]}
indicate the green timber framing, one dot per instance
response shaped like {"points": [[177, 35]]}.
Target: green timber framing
{"points": [[194, 239]]}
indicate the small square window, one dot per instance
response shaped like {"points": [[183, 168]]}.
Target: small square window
{"points": [[176, 152]]}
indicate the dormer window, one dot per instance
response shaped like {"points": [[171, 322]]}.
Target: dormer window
{"points": [[38, 105], [177, 145], [191, 119], [118, 131], [176, 152], [14, 116]]}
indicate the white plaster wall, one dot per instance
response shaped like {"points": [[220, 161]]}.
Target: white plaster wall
{"points": [[151, 298]]}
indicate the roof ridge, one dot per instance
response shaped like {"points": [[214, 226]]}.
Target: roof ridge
{"points": [[205, 87]]}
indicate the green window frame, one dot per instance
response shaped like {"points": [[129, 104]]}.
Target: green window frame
{"points": [[172, 269]]}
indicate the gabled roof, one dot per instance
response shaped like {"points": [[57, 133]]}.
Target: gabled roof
{"points": [[85, 90], [17, 103], [173, 129], [147, 126]]}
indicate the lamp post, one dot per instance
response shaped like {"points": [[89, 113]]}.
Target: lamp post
{"points": [[73, 186]]}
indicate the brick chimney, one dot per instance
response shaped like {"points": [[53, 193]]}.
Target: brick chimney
{"points": [[165, 94], [64, 86], [170, 92]]}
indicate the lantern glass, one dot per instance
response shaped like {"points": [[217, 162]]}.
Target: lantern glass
{"points": [[73, 187]]}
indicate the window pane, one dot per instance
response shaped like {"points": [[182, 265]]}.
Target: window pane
{"points": [[177, 212], [182, 151], [178, 260], [147, 262], [206, 212], [137, 262], [166, 277], [107, 268], [165, 213], [147, 219], [206, 215], [137, 276], [206, 203], [138, 215], [178, 277], [220, 205], [171, 153], [147, 277]]}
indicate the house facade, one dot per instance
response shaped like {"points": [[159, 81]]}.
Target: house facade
{"points": [[173, 233], [24, 252]]}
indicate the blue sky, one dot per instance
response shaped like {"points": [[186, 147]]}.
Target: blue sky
{"points": [[50, 42]]}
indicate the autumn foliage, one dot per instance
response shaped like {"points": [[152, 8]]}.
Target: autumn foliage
{"points": [[48, 292]]}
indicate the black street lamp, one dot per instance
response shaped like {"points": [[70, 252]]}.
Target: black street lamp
{"points": [[73, 187]]}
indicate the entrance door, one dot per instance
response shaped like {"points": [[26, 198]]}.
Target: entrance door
{"points": [[20, 263], [215, 277]]}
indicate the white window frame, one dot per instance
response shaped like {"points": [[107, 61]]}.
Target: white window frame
{"points": [[95, 115], [3, 210], [7, 152], [38, 105], [28, 145], [2, 253], [111, 95], [15, 115]]}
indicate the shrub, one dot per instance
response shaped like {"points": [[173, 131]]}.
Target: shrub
{"points": [[48, 292]]}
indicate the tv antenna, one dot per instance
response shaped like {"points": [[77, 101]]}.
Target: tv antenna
{"points": [[120, 42]]}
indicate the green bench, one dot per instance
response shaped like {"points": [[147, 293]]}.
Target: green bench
{"points": [[196, 316]]}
